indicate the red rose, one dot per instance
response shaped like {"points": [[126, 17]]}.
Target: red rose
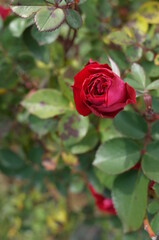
{"points": [[104, 204], [4, 12], [100, 91]]}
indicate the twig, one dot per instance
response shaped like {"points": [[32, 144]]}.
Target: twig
{"points": [[149, 230]]}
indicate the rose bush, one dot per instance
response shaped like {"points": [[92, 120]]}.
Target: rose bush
{"points": [[49, 153], [97, 89]]}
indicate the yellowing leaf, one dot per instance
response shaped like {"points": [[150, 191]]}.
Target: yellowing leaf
{"points": [[2, 91], [139, 22], [150, 12], [69, 159], [124, 36], [156, 60]]}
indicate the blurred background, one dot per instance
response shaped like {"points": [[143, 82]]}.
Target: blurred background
{"points": [[46, 164]]}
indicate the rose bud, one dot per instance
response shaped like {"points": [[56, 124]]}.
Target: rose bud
{"points": [[100, 91], [103, 204], [4, 12]]}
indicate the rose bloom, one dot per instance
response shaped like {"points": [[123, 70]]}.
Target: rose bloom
{"points": [[4, 12], [100, 91], [103, 204]]}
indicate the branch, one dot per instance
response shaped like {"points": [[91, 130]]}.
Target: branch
{"points": [[149, 230]]}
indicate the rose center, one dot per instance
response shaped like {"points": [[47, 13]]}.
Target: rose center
{"points": [[98, 86]]}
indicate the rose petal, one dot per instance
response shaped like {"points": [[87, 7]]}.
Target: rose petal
{"points": [[131, 94], [117, 92], [80, 106]]}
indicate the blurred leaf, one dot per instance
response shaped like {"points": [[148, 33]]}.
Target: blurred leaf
{"points": [[41, 126], [1, 23], [76, 184], [39, 52], [130, 199], [155, 104], [25, 11], [72, 128], [125, 36], [35, 154], [105, 179], [131, 124], [155, 223], [46, 103], [117, 155], [10, 160], [149, 11], [44, 37], [138, 75], [87, 143], [73, 18], [65, 86], [153, 85], [149, 56], [18, 25], [153, 207], [10, 77], [156, 60], [155, 130], [133, 53], [29, 2], [156, 189]]}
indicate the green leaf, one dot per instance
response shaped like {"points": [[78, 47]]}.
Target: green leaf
{"points": [[87, 143], [149, 56], [72, 128], [155, 223], [46, 103], [28, 3], [73, 18], [106, 126], [1, 23], [39, 52], [48, 19], [138, 75], [155, 130], [156, 188], [153, 207], [41, 126], [18, 25], [10, 160], [120, 37], [25, 11], [10, 77], [117, 155], [130, 198], [133, 53], [44, 37], [105, 179], [150, 162], [155, 104], [153, 85], [35, 154], [131, 124]]}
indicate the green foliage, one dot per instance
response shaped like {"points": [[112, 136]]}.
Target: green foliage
{"points": [[130, 199], [49, 153], [116, 156]]}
